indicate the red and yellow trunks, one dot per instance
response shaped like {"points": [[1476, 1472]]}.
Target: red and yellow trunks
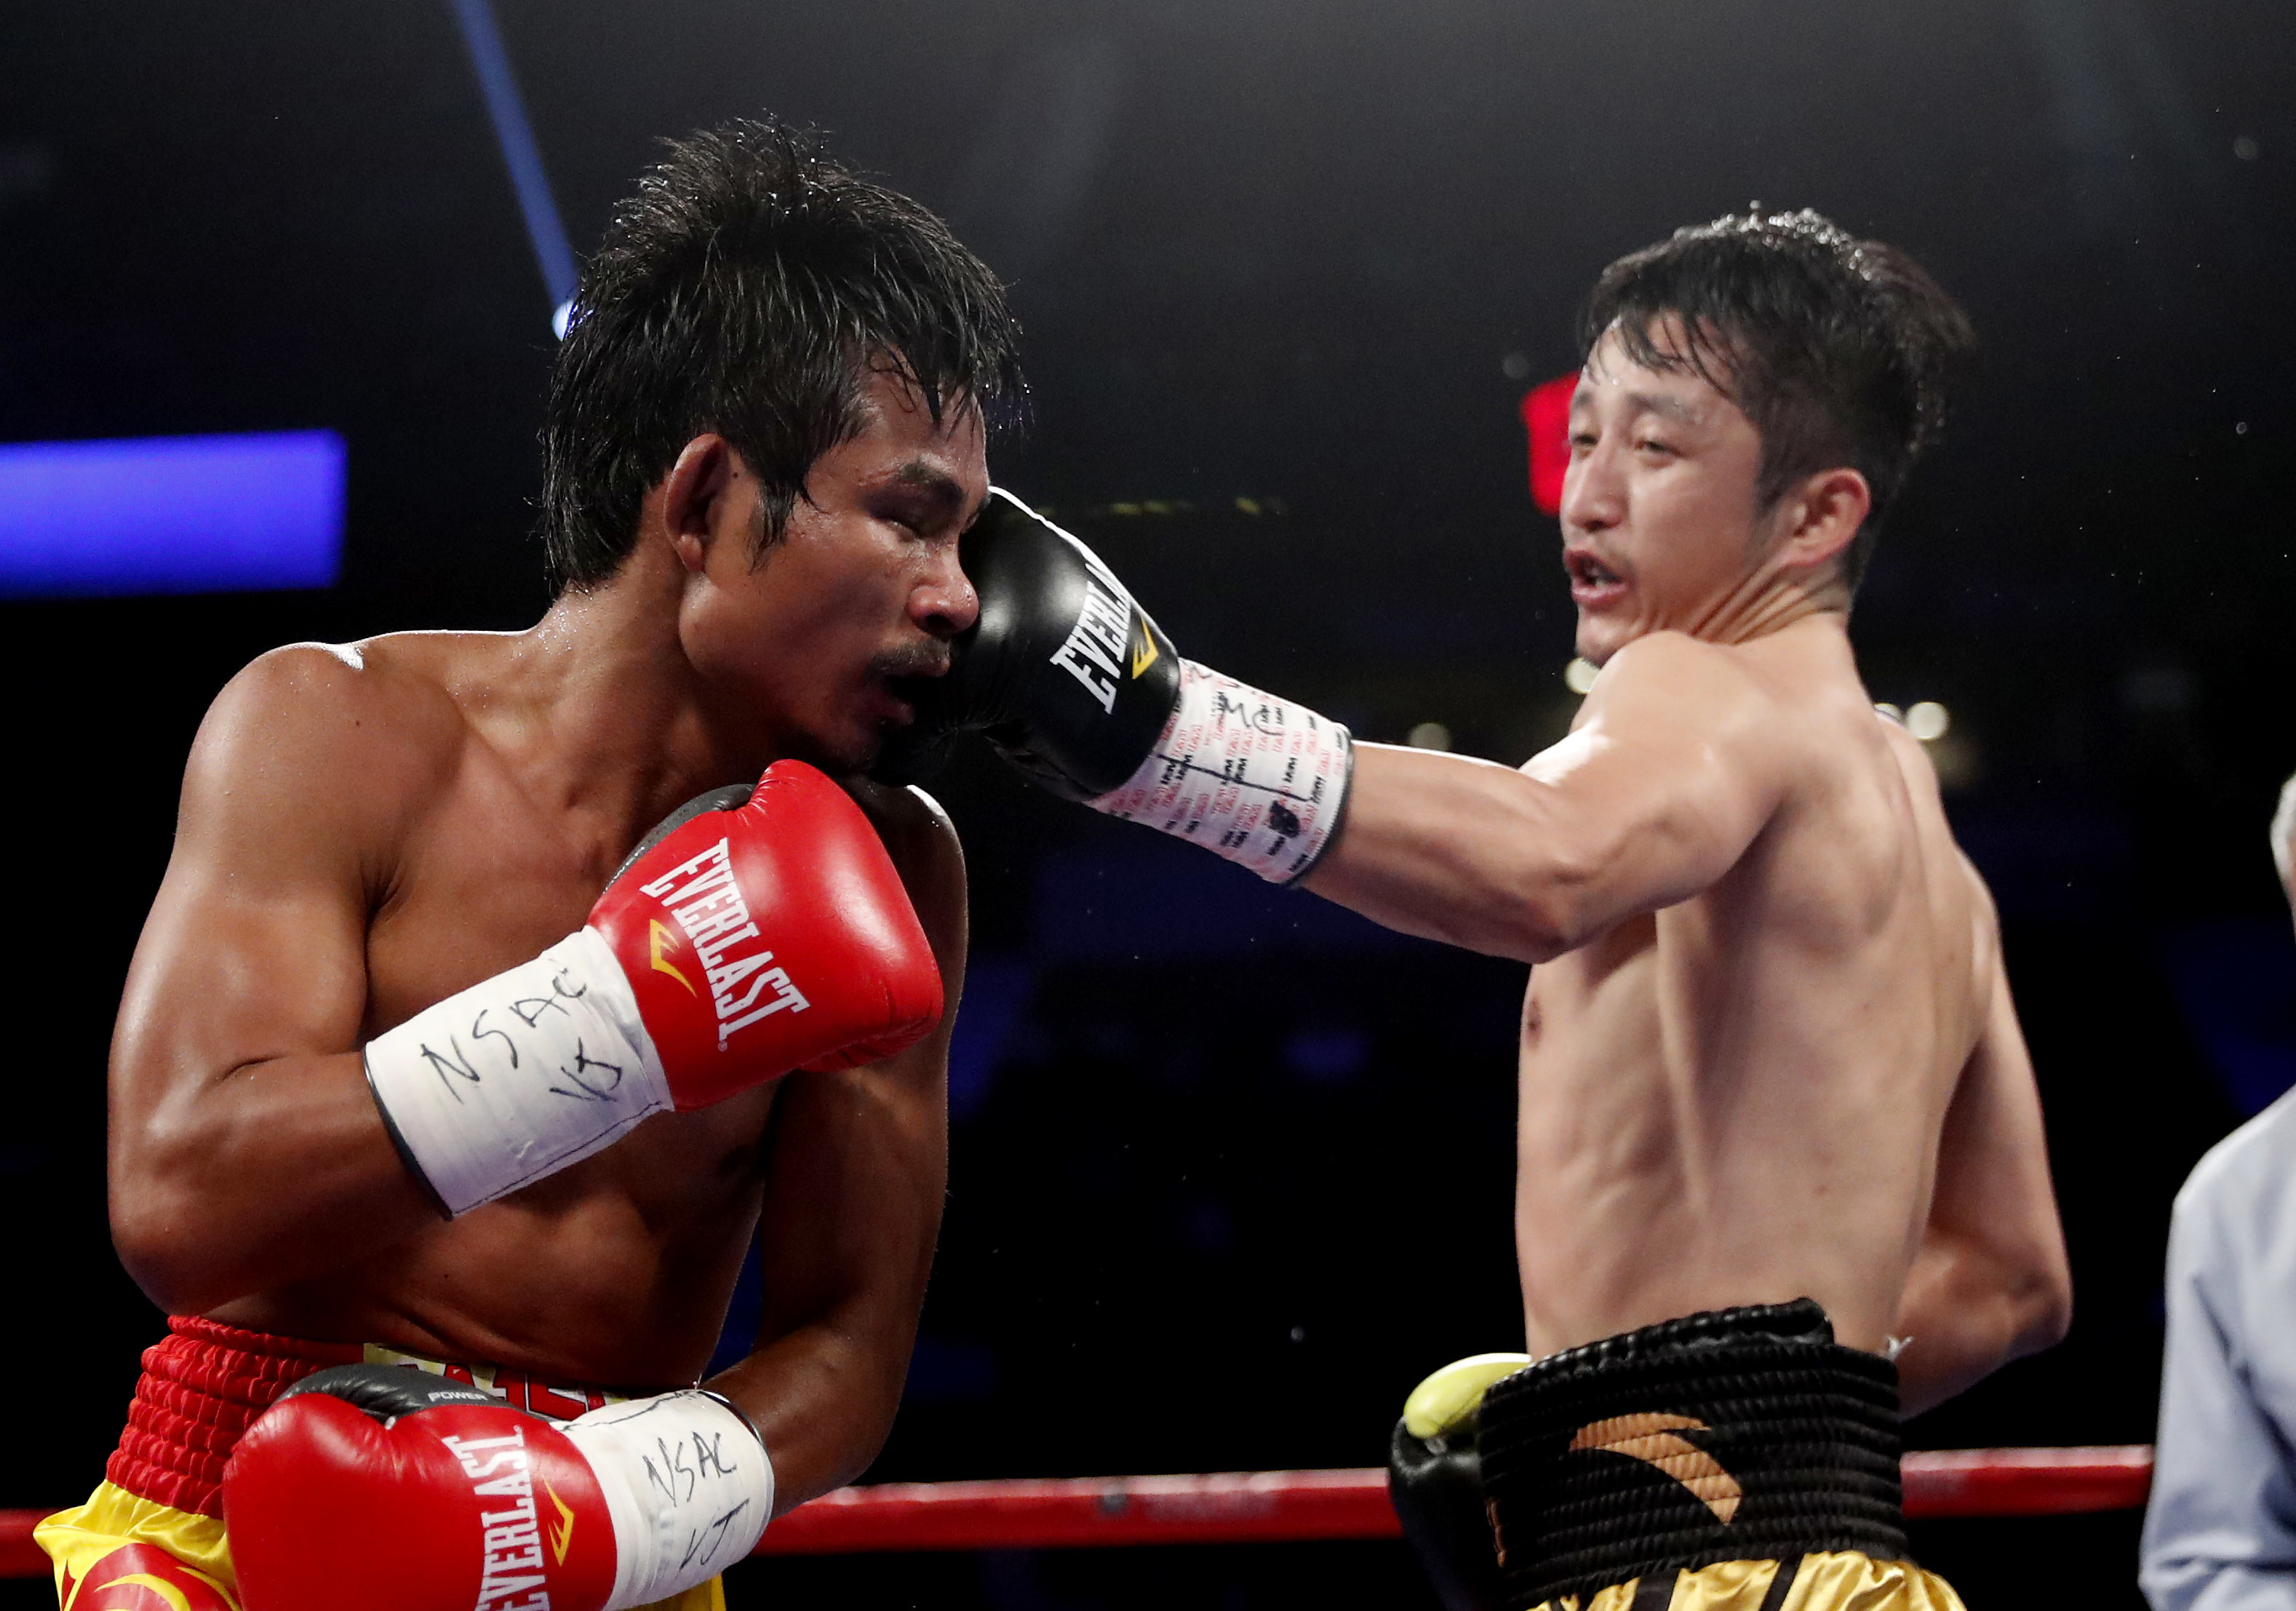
{"points": [[150, 1537]]}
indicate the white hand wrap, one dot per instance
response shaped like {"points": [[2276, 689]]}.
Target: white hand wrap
{"points": [[518, 1075], [687, 1484], [1252, 778]]}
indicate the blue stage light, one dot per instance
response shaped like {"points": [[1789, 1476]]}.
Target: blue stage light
{"points": [[171, 515]]}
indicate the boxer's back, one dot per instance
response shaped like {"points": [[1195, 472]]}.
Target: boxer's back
{"points": [[1739, 1098]]}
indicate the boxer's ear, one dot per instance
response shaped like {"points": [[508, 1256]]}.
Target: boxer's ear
{"points": [[694, 501], [1818, 519]]}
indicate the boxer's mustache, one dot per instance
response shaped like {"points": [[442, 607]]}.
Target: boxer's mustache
{"points": [[924, 660]]}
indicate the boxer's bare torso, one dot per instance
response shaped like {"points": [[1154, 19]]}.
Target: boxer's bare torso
{"points": [[1739, 1097]]}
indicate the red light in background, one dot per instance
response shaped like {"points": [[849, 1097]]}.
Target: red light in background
{"points": [[1547, 417]]}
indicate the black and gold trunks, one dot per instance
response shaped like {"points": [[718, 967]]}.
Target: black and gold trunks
{"points": [[1735, 1458]]}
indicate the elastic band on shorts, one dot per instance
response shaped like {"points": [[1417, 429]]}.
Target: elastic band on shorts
{"points": [[200, 1389], [1736, 1434]]}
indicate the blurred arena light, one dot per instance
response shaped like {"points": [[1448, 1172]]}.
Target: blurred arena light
{"points": [[1928, 720], [1547, 420], [171, 515], [1579, 675], [552, 252], [1429, 736]]}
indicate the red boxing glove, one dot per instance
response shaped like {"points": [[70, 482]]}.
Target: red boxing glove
{"points": [[717, 910], [381, 1488], [754, 932]]}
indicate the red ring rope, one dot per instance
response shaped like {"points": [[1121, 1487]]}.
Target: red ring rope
{"points": [[1288, 1507]]}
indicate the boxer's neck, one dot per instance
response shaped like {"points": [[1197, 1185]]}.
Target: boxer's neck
{"points": [[1771, 598], [619, 721]]}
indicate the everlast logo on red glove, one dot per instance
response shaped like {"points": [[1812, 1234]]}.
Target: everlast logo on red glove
{"points": [[700, 896], [515, 1579]]}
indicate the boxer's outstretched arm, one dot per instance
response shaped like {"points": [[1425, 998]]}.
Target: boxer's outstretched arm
{"points": [[1668, 776], [1990, 1282], [245, 1149], [856, 1170]]}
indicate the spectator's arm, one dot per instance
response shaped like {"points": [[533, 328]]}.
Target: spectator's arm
{"points": [[2220, 1531]]}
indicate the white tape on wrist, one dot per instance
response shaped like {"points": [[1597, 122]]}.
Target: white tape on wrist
{"points": [[1252, 778], [520, 1075], [687, 1484]]}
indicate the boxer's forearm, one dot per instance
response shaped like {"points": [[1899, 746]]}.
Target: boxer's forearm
{"points": [[1966, 1313], [1990, 1281], [822, 1397], [265, 1175], [852, 1212]]}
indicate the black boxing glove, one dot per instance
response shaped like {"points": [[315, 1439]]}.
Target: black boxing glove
{"points": [[1064, 673], [1071, 682], [1435, 1476]]}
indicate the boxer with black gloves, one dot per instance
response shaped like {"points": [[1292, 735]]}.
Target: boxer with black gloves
{"points": [[420, 1071], [1780, 1151]]}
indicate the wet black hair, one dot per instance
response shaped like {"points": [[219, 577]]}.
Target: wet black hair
{"points": [[748, 288], [1840, 351]]}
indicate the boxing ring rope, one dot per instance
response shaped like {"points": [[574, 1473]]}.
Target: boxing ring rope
{"points": [[1294, 1507]]}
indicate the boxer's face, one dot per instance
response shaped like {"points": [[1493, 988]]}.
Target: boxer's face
{"points": [[1661, 527], [863, 587]]}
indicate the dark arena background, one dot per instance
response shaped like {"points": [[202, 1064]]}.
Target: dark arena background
{"points": [[1231, 1168]]}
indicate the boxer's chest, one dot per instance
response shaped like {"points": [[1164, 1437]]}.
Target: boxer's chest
{"points": [[485, 884], [483, 880]]}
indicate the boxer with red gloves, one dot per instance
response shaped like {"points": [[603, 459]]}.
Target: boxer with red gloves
{"points": [[435, 1063]]}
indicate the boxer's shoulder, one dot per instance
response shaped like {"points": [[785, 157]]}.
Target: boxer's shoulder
{"points": [[914, 825], [384, 694], [923, 844], [1677, 680], [346, 739]]}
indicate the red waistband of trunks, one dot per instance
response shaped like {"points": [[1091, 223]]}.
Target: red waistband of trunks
{"points": [[205, 1384]]}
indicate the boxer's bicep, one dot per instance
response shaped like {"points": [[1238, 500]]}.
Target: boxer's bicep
{"points": [[238, 1101], [255, 944], [1665, 781], [1676, 770], [856, 1174]]}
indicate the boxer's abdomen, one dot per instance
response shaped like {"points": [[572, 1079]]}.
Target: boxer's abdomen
{"points": [[619, 1269]]}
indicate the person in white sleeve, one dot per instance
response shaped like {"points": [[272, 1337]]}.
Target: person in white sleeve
{"points": [[2220, 1531]]}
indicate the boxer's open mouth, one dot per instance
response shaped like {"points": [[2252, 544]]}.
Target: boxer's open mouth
{"points": [[905, 680], [1591, 581], [906, 691], [1584, 567], [900, 694]]}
